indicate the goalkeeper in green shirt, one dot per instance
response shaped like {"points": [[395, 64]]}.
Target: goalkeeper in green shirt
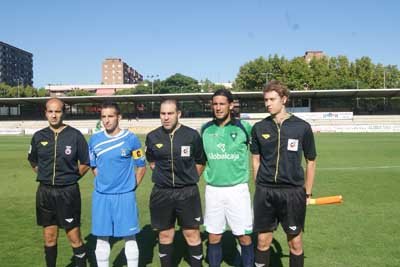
{"points": [[227, 197]]}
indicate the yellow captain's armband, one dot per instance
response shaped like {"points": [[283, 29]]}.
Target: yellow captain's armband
{"points": [[137, 154]]}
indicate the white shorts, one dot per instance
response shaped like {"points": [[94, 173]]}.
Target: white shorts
{"points": [[229, 204]]}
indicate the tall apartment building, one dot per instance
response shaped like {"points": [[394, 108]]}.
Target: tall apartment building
{"points": [[16, 66], [115, 71]]}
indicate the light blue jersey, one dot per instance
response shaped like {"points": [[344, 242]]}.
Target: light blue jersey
{"points": [[115, 158]]}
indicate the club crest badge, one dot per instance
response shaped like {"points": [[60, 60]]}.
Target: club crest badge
{"points": [[185, 151], [293, 145], [233, 136], [123, 152], [68, 150]]}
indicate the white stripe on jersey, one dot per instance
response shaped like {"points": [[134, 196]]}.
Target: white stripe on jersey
{"points": [[111, 140], [110, 148]]}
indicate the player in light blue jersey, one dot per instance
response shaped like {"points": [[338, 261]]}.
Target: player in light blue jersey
{"points": [[117, 161]]}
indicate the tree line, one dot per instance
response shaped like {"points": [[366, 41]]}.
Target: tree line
{"points": [[318, 74]]}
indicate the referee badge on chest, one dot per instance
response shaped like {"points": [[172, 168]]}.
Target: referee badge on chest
{"points": [[185, 151], [293, 145], [68, 150]]}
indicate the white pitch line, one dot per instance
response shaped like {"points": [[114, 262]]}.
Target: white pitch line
{"points": [[358, 168]]}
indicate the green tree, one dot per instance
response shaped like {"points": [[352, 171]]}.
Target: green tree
{"points": [[179, 83], [364, 70], [392, 75], [143, 88], [209, 86], [5, 90], [343, 73], [298, 74], [324, 73], [128, 91], [41, 92], [277, 66], [321, 74], [253, 75]]}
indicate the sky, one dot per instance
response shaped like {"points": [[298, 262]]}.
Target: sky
{"points": [[203, 39]]}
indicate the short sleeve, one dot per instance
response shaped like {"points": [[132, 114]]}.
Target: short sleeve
{"points": [[199, 154], [149, 151], [83, 150], [254, 145], [32, 152], [92, 154], [310, 152], [137, 151]]}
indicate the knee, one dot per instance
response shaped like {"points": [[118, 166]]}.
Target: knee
{"points": [[214, 238], [245, 240], [102, 250], [74, 237], [192, 237], [131, 250], [264, 241], [296, 246], [50, 238], [166, 236]]}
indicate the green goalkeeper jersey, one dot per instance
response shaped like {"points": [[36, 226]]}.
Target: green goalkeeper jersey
{"points": [[227, 152]]}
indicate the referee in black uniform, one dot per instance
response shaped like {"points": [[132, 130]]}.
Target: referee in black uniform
{"points": [[175, 154], [59, 155], [282, 186]]}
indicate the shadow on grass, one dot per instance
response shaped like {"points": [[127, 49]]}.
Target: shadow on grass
{"points": [[276, 254], [147, 240], [231, 254]]}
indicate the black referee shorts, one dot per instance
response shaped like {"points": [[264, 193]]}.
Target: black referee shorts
{"points": [[279, 205], [170, 204], [58, 205]]}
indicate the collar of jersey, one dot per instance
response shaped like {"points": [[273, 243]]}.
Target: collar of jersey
{"points": [[231, 122], [114, 136]]}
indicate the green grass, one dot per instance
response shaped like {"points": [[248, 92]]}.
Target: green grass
{"points": [[363, 231]]}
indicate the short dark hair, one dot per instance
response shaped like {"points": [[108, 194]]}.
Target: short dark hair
{"points": [[110, 104], [171, 101], [229, 96], [278, 87], [224, 92]]}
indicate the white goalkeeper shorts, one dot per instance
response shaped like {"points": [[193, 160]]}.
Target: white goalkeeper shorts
{"points": [[229, 205]]}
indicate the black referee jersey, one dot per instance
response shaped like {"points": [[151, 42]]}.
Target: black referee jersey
{"points": [[175, 156], [58, 155], [281, 148]]}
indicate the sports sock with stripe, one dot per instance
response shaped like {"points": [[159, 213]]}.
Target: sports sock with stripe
{"points": [[262, 258], [165, 253], [196, 255], [80, 256]]}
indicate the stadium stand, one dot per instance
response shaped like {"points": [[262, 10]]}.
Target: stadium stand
{"points": [[365, 123]]}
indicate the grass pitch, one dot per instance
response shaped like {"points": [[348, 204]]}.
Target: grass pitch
{"points": [[363, 231]]}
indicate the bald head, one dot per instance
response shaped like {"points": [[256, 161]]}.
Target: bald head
{"points": [[54, 113], [54, 101]]}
